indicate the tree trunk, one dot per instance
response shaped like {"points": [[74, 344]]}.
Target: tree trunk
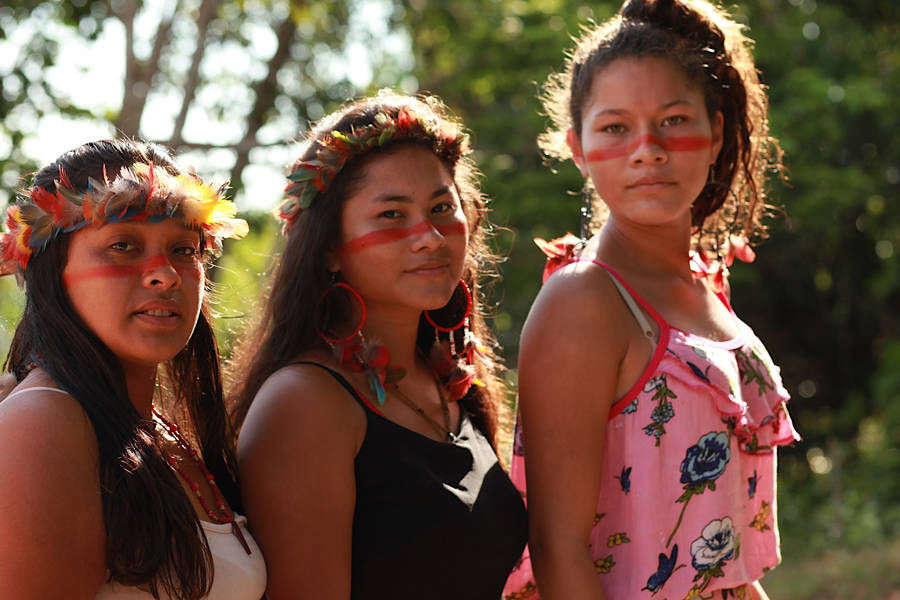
{"points": [[266, 91], [138, 75], [208, 9]]}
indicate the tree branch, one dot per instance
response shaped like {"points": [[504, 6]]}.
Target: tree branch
{"points": [[134, 97], [266, 91], [208, 9]]}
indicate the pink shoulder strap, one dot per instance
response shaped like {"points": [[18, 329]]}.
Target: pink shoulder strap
{"points": [[629, 295]]}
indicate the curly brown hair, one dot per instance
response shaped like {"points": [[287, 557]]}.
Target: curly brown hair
{"points": [[713, 52], [287, 324]]}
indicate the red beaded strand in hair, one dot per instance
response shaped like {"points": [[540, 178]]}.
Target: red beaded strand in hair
{"points": [[172, 430]]}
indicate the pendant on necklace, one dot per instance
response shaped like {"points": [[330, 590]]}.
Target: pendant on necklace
{"points": [[240, 535]]}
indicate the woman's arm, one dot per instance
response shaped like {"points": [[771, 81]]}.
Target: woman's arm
{"points": [[52, 537], [572, 345], [296, 452]]}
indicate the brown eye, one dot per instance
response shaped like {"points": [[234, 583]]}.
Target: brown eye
{"points": [[674, 120], [122, 246]]}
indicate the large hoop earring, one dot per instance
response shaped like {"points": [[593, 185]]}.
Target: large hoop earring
{"points": [[332, 341], [462, 323], [587, 211]]}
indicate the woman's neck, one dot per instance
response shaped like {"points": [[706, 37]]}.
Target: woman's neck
{"points": [[657, 250], [396, 330], [141, 383]]}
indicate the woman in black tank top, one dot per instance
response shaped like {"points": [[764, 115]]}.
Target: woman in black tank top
{"points": [[371, 397]]}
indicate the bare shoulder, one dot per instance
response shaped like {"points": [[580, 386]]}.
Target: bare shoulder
{"points": [[302, 427], [302, 398], [581, 299], [48, 473], [44, 424]]}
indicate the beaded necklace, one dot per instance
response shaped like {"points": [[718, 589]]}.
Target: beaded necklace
{"points": [[444, 430], [227, 516]]}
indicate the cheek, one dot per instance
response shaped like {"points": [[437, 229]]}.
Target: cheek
{"points": [[388, 236], [688, 143], [383, 236], [454, 229], [189, 270]]}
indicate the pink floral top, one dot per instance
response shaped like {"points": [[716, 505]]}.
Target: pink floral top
{"points": [[687, 499]]}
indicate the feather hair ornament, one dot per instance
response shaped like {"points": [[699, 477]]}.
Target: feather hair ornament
{"points": [[138, 193], [333, 151]]}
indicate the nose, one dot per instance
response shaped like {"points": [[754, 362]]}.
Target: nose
{"points": [[158, 272], [650, 149], [427, 236]]}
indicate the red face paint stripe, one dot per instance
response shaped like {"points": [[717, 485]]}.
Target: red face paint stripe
{"points": [[673, 144], [386, 236], [454, 228], [110, 271]]}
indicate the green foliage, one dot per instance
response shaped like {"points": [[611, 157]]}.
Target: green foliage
{"points": [[823, 293], [237, 276]]}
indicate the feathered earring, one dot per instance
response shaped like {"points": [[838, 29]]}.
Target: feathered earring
{"points": [[587, 211], [452, 361]]}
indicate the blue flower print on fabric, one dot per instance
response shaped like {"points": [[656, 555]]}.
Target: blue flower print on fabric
{"points": [[663, 572], [703, 463], [751, 484], [631, 408], [663, 411], [698, 372], [717, 544], [625, 479]]}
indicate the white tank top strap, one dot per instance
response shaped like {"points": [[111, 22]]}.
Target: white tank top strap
{"points": [[639, 315], [37, 388]]}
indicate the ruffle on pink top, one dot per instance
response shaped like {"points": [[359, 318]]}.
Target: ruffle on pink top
{"points": [[755, 403]]}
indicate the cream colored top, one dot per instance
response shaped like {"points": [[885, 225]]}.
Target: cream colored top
{"points": [[237, 576]]}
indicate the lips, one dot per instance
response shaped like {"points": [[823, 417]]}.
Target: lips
{"points": [[650, 181], [157, 309], [429, 268], [158, 313]]}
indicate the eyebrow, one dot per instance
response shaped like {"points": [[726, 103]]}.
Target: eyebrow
{"points": [[445, 189], [622, 111]]}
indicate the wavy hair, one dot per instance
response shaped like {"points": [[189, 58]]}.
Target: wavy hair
{"points": [[714, 53], [153, 535], [287, 325]]}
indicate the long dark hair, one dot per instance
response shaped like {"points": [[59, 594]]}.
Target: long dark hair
{"points": [[152, 531], [714, 53], [287, 324]]}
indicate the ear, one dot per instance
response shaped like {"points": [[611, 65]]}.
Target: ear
{"points": [[718, 125], [574, 144], [332, 261]]}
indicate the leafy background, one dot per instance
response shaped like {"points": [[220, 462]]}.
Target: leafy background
{"points": [[229, 83]]}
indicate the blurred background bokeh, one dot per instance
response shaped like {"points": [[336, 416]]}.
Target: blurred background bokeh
{"points": [[229, 83]]}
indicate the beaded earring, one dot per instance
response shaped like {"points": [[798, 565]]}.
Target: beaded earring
{"points": [[452, 363], [463, 322]]}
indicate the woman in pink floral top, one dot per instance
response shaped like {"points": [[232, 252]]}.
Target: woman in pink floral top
{"points": [[650, 412]]}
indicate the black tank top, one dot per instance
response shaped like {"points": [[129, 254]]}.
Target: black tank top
{"points": [[433, 520]]}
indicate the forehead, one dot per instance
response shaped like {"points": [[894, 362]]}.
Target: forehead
{"points": [[638, 81], [406, 164], [167, 228]]}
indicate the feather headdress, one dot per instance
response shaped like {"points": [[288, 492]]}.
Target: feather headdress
{"points": [[138, 193], [335, 150]]}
